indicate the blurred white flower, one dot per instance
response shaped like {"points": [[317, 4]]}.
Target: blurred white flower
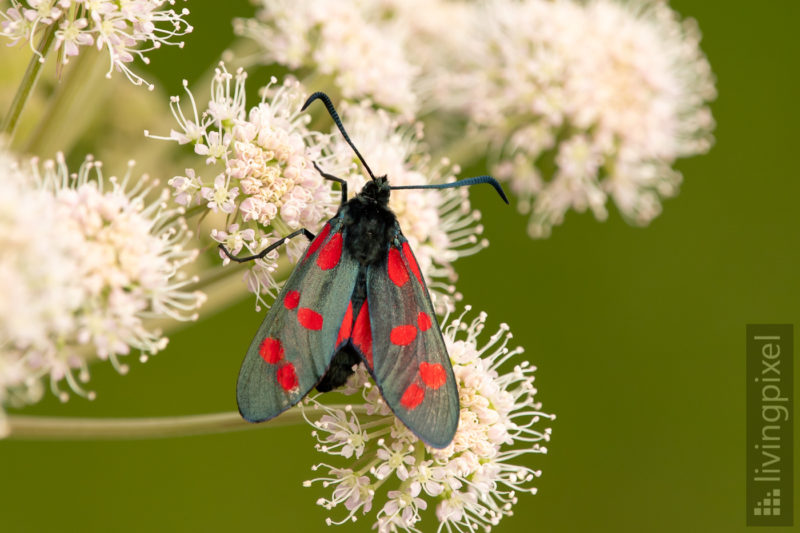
{"points": [[87, 260], [586, 100], [38, 280], [440, 225], [433, 32], [474, 481], [126, 30], [357, 44]]}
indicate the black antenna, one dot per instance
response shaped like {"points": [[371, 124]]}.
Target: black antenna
{"points": [[461, 183], [335, 116]]}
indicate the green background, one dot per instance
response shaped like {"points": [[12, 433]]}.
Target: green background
{"points": [[639, 336]]}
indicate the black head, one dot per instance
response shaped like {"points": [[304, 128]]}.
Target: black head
{"points": [[376, 190]]}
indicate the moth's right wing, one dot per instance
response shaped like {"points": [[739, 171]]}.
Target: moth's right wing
{"points": [[408, 355]]}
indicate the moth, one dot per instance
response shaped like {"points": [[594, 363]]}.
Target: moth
{"points": [[357, 295]]}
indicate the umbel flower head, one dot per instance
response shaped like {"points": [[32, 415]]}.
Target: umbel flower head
{"points": [[358, 45], [586, 100], [262, 159], [472, 483], [125, 30], [102, 261]]}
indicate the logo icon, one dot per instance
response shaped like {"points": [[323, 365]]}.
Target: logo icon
{"points": [[769, 505]]}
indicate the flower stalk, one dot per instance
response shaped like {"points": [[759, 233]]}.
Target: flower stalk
{"points": [[70, 108], [28, 82], [63, 428]]}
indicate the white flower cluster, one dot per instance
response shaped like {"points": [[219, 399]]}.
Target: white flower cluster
{"points": [[266, 181], [440, 225], [588, 100], [126, 30], [354, 43], [85, 261], [474, 481]]}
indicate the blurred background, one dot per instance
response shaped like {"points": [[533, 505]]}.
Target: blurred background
{"points": [[638, 335]]}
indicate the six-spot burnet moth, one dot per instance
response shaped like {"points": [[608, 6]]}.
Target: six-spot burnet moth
{"points": [[357, 295]]}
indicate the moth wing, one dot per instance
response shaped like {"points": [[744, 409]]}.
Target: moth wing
{"points": [[410, 361], [296, 341]]}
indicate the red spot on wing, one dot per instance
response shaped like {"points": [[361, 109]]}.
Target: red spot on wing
{"points": [[331, 253], [309, 318], [433, 375], [398, 272], [362, 334], [412, 397], [347, 325], [317, 242], [412, 263], [423, 321], [271, 350], [287, 377], [403, 335], [291, 300]]}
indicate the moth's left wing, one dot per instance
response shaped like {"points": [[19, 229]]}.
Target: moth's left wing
{"points": [[410, 363], [294, 346]]}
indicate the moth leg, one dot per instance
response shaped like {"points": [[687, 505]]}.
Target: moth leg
{"points": [[340, 181], [260, 255]]}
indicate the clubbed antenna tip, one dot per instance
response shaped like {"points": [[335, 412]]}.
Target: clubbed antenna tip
{"points": [[461, 183]]}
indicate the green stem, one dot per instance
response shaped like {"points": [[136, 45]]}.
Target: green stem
{"points": [[28, 82], [80, 96], [58, 428], [217, 273], [189, 213]]}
